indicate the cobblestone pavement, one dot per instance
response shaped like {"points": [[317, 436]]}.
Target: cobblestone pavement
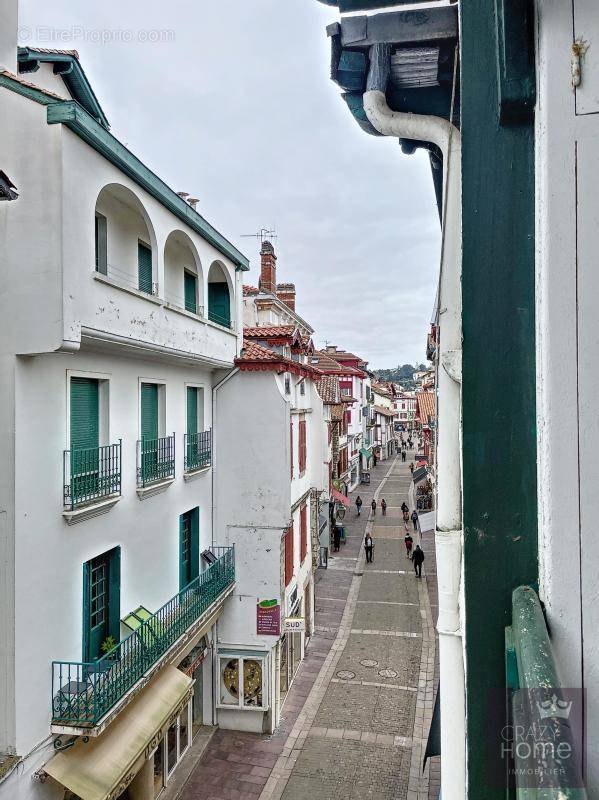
{"points": [[356, 718]]}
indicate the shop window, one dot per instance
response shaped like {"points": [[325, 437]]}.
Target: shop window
{"points": [[241, 682], [172, 748]]}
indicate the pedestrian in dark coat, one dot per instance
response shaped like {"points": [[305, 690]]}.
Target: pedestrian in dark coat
{"points": [[358, 504], [408, 542], [415, 519], [336, 538], [373, 507], [417, 559], [403, 455], [368, 547], [384, 507], [404, 507]]}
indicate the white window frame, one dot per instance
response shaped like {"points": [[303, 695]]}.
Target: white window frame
{"points": [[241, 657], [104, 410]]}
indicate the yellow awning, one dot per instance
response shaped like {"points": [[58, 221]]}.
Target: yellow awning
{"points": [[95, 769]]}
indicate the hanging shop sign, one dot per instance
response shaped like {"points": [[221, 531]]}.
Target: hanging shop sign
{"points": [[268, 618], [294, 625]]}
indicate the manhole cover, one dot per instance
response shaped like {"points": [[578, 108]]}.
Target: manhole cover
{"points": [[369, 662], [346, 675], [387, 673]]}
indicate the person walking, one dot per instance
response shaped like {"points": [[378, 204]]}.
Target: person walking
{"points": [[373, 507], [358, 504], [404, 507], [415, 519], [408, 541], [336, 538], [417, 559], [368, 547], [412, 467], [384, 507], [403, 455]]}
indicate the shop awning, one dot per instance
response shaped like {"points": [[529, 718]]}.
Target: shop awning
{"points": [[366, 453], [93, 770], [341, 498]]}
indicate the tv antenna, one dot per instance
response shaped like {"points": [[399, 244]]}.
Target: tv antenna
{"points": [[263, 234]]}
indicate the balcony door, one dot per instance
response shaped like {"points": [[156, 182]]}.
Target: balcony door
{"points": [[219, 303], [189, 547], [101, 603], [84, 437]]}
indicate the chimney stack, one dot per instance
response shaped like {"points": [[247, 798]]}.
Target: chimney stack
{"points": [[286, 293], [268, 268]]}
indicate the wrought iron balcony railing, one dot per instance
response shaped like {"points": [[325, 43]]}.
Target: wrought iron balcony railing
{"points": [[198, 450], [213, 316], [91, 474], [83, 693], [155, 460]]}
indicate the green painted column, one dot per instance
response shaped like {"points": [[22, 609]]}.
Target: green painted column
{"points": [[499, 458]]}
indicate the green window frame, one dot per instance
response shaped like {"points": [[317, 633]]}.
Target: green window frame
{"points": [[192, 409], [84, 413], [149, 410], [190, 288], [219, 303], [101, 243], [144, 267], [101, 603], [189, 547]]}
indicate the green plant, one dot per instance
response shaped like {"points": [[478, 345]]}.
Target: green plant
{"points": [[108, 643]]}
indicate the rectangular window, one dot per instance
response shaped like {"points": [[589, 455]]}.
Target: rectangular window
{"points": [[149, 411], [287, 384], [192, 409], [302, 446], [288, 544], [191, 292], [101, 604], [303, 533], [348, 413], [303, 388], [242, 682], [189, 547], [219, 303], [101, 244], [85, 430], [144, 265]]}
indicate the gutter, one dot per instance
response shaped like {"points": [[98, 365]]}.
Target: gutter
{"points": [[449, 533]]}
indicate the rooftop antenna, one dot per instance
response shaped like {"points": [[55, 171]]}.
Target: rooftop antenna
{"points": [[263, 234]]}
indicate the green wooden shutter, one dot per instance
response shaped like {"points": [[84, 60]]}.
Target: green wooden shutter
{"points": [[84, 413], [114, 594], [219, 306], [144, 263], [101, 245], [189, 547], [192, 410], [149, 411], [191, 289]]}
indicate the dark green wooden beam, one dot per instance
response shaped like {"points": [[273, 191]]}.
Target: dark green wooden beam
{"points": [[499, 420]]}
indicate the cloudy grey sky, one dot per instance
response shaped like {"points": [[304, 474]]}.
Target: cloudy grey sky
{"points": [[237, 108]]}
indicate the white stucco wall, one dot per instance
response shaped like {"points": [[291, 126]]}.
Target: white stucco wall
{"points": [[567, 172]]}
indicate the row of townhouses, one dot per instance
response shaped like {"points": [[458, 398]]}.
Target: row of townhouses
{"points": [[173, 454]]}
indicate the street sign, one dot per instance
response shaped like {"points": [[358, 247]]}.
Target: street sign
{"points": [[294, 625]]}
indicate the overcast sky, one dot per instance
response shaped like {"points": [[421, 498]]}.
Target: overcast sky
{"points": [[237, 108]]}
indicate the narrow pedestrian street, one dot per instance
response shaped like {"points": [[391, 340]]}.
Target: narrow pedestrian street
{"points": [[356, 718]]}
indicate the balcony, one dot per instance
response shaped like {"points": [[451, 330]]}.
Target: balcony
{"points": [[197, 450], [91, 475], [84, 693], [155, 461]]}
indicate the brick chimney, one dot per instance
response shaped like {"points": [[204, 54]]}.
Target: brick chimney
{"points": [[268, 268], [286, 293]]}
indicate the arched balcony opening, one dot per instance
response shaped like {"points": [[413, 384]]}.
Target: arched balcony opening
{"points": [[125, 243], [220, 295], [183, 279]]}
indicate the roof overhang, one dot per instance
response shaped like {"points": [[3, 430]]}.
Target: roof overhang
{"points": [[71, 72]]}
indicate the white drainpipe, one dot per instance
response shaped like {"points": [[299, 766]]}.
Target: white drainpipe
{"points": [[448, 537]]}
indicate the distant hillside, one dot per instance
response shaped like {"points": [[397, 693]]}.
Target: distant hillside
{"points": [[403, 375]]}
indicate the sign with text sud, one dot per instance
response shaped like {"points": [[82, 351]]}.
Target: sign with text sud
{"points": [[294, 625], [268, 618]]}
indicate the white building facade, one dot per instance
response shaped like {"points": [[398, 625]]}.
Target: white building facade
{"points": [[122, 310]]}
